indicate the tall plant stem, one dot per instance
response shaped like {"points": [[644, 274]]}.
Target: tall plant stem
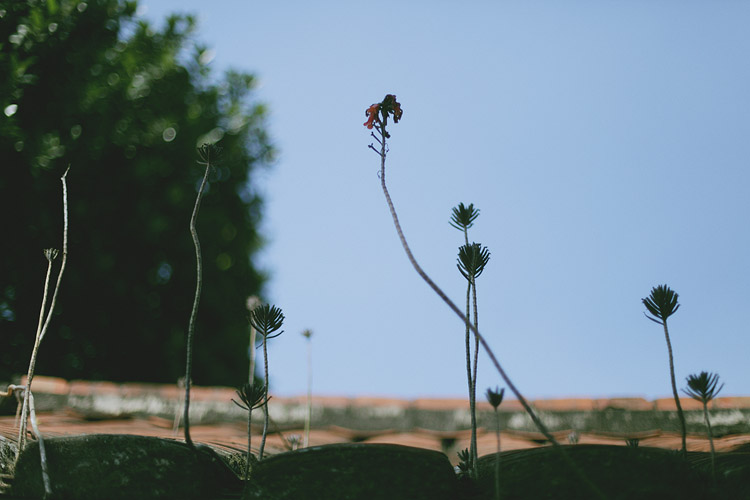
{"points": [[710, 440], [196, 301], [308, 416], [680, 414], [497, 457], [30, 374], [540, 425], [472, 445], [249, 440], [265, 396], [42, 328], [474, 374]]}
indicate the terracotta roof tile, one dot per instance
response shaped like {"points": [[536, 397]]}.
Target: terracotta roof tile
{"points": [[668, 404], [48, 385], [624, 404], [731, 402], [380, 402], [440, 404], [572, 404], [448, 417], [85, 388]]}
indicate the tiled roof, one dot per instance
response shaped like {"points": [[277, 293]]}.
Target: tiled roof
{"points": [[82, 407]]}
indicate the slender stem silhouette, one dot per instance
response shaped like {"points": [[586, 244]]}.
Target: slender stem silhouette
{"points": [[380, 126], [680, 414], [265, 397], [50, 254], [198, 284]]}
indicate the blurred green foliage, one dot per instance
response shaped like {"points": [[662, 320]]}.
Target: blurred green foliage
{"points": [[87, 84]]}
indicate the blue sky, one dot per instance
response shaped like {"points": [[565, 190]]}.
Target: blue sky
{"points": [[605, 144]]}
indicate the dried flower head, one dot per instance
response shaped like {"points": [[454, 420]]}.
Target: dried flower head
{"points": [[51, 253], [389, 106]]}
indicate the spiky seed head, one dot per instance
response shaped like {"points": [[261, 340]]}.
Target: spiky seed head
{"points": [[51, 253], [463, 217], [703, 387], [661, 303], [267, 319], [463, 462], [209, 153], [495, 397], [472, 259], [251, 395]]}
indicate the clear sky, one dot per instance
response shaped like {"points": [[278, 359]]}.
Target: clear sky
{"points": [[606, 144]]}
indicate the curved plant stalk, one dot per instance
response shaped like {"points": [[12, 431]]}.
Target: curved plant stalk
{"points": [[385, 108], [266, 320], [205, 152], [50, 254], [662, 303], [703, 388]]}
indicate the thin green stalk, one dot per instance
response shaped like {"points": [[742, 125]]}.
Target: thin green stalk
{"points": [[412, 260], [249, 441], [196, 301], [470, 381], [497, 457], [265, 397], [308, 416], [680, 414], [710, 440], [474, 374]]}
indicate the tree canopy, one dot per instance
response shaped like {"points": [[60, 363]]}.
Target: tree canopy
{"points": [[88, 84]]}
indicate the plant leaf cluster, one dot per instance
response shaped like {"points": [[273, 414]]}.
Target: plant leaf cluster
{"points": [[463, 217], [703, 387], [252, 396], [267, 319], [661, 303], [472, 259]]}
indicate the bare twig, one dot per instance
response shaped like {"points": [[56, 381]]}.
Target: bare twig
{"points": [[42, 328], [42, 452]]}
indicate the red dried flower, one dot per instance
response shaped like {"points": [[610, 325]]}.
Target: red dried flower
{"points": [[372, 112]]}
